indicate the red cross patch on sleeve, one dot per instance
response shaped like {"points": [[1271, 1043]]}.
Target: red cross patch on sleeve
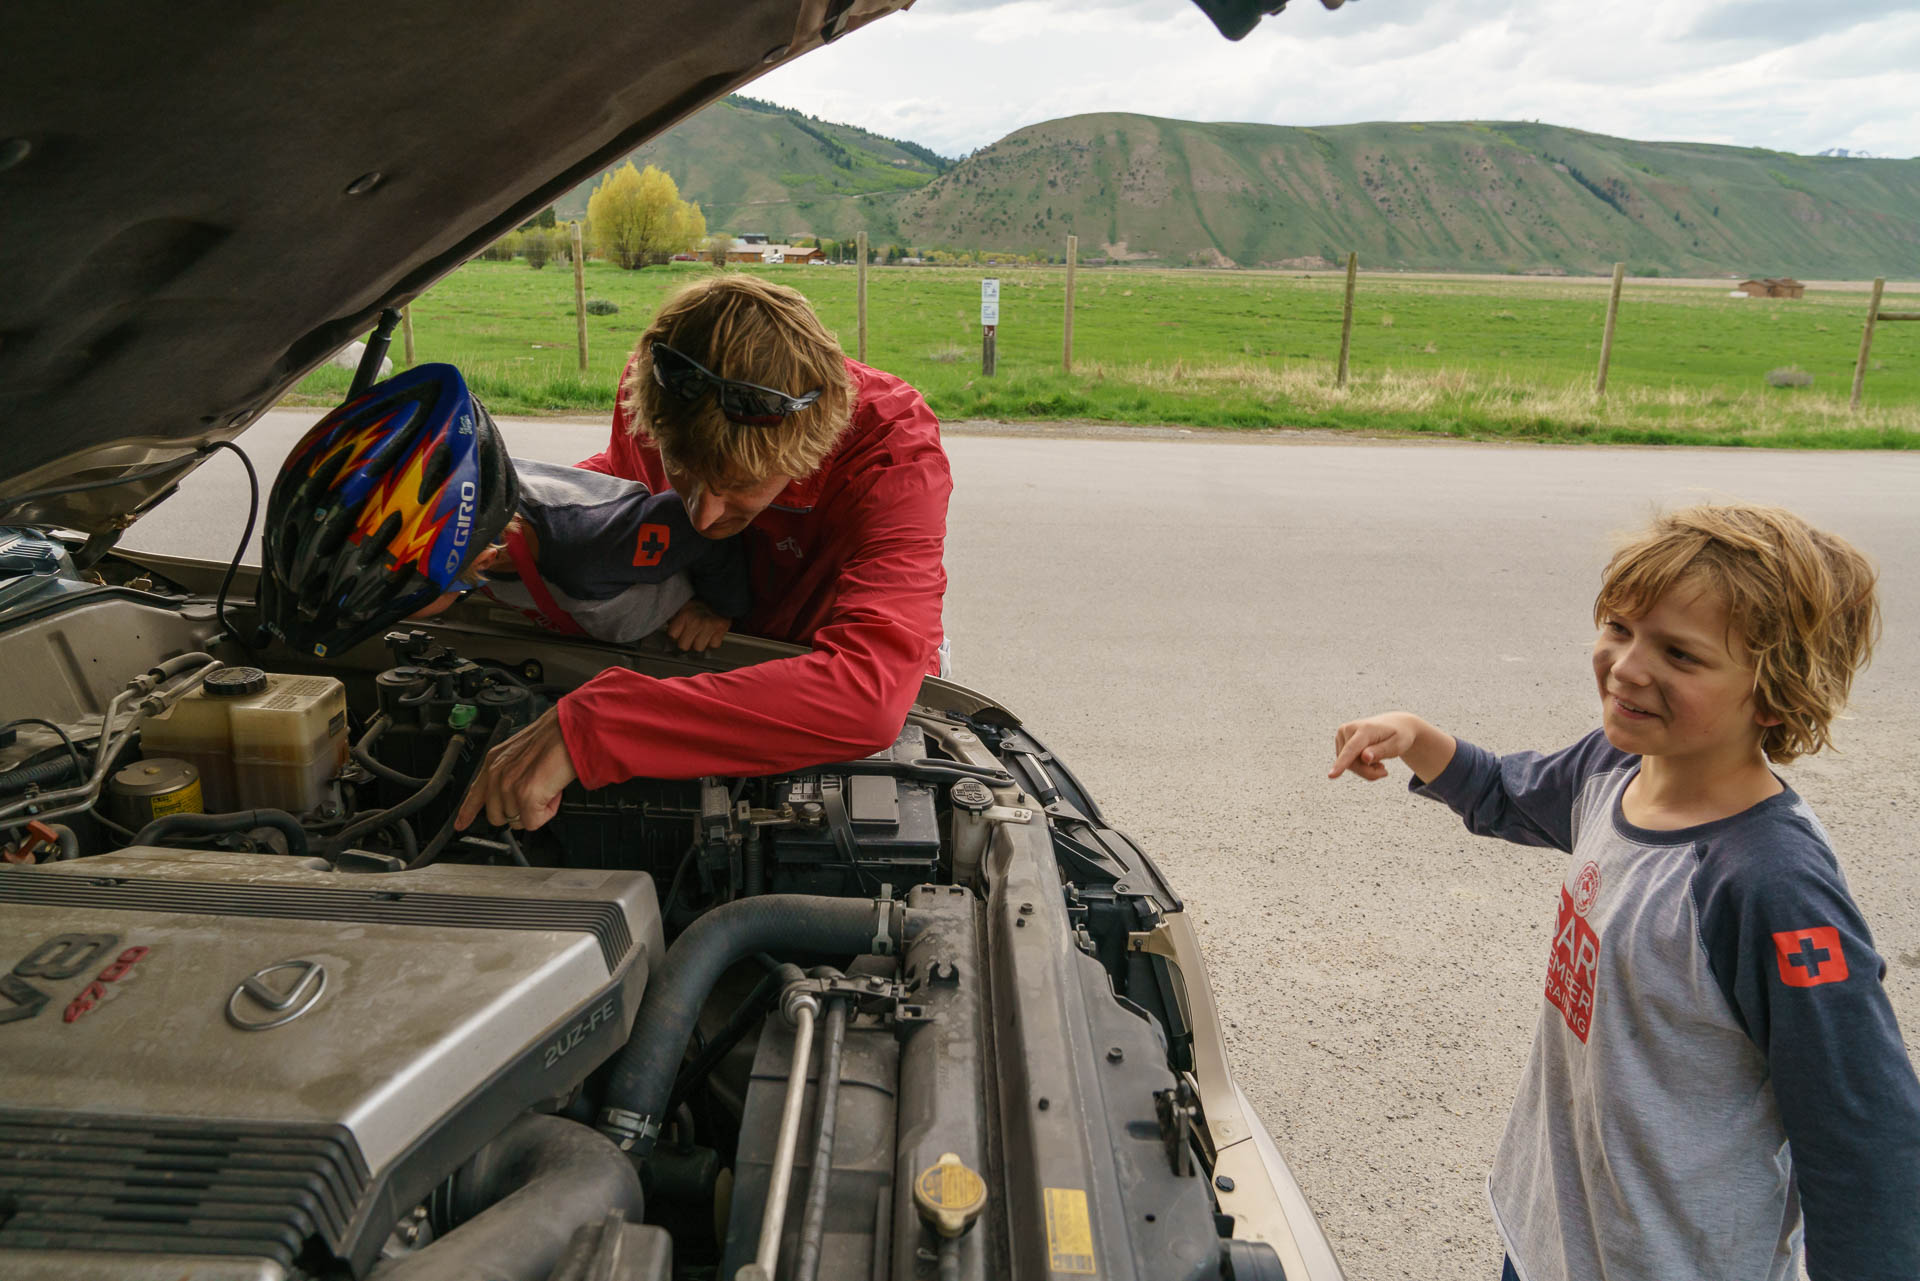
{"points": [[1809, 958], [652, 544]]}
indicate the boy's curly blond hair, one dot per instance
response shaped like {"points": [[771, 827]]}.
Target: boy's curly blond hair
{"points": [[744, 328], [1800, 600]]}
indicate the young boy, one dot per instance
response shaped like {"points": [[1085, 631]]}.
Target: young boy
{"points": [[1716, 1055], [591, 554], [391, 505]]}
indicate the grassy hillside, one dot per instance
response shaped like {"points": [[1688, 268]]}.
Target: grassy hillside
{"points": [[753, 166], [1504, 197]]}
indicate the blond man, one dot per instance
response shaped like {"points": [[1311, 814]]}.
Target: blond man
{"points": [[737, 398]]}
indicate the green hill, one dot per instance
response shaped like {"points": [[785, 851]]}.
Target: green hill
{"points": [[1503, 197], [753, 166]]}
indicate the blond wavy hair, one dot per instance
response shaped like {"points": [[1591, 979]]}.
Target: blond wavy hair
{"points": [[1800, 601], [744, 328]]}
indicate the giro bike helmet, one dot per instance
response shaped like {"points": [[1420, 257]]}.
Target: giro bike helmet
{"points": [[379, 508]]}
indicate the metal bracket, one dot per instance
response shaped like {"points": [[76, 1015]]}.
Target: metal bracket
{"points": [[883, 905], [1177, 1110]]}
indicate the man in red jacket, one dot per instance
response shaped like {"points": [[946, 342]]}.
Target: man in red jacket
{"points": [[740, 400]]}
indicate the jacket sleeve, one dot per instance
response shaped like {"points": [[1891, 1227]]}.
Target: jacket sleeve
{"points": [[1793, 957], [844, 699], [619, 458], [1527, 798]]}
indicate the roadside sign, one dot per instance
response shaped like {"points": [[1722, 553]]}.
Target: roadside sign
{"points": [[989, 302], [989, 291]]}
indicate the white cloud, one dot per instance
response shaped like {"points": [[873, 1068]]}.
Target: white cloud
{"points": [[956, 75]]}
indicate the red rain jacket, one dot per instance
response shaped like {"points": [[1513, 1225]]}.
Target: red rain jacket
{"points": [[847, 561]]}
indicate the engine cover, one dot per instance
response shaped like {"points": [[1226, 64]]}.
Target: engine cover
{"points": [[227, 1055]]}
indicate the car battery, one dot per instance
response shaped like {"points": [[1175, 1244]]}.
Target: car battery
{"points": [[887, 823]]}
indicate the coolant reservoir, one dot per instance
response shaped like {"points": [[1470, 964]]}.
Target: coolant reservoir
{"points": [[260, 740]]}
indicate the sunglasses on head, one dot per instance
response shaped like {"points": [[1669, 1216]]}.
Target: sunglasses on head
{"points": [[750, 404]]}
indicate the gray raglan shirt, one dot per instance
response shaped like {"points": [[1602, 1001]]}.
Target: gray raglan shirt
{"points": [[616, 558], [1715, 1053]]}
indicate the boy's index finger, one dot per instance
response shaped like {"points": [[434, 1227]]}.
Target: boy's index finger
{"points": [[1350, 750]]}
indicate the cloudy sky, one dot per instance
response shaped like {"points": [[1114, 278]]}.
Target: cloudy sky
{"points": [[1795, 75]]}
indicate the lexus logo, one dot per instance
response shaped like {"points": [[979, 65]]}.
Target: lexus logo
{"points": [[264, 1000]]}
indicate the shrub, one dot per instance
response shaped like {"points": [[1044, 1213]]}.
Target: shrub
{"points": [[601, 307], [537, 247], [1789, 376]]}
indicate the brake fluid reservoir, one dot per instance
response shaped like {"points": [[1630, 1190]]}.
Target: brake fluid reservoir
{"points": [[259, 740], [288, 741], [197, 729]]}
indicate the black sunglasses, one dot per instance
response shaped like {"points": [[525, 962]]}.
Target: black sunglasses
{"points": [[750, 404]]}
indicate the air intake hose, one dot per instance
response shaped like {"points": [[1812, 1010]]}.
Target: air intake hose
{"points": [[636, 1097], [542, 1179]]}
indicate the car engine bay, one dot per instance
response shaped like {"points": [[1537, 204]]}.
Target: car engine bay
{"points": [[265, 1013]]}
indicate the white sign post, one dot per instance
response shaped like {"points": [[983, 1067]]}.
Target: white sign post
{"points": [[989, 323]]}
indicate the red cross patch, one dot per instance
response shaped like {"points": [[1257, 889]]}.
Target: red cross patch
{"points": [[651, 544], [1809, 958]]}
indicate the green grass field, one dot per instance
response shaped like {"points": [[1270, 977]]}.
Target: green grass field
{"points": [[1456, 357]]}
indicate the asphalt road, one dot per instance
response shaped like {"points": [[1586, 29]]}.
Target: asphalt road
{"points": [[1185, 617]]}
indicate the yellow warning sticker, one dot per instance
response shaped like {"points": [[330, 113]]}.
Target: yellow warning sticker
{"points": [[185, 801], [1069, 1232]]}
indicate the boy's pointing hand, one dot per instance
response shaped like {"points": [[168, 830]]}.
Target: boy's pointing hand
{"points": [[1361, 747]]}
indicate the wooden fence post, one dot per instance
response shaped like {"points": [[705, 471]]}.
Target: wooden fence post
{"points": [[1066, 344], [862, 244], [406, 332], [1866, 342], [580, 294], [1346, 319], [1606, 339]]}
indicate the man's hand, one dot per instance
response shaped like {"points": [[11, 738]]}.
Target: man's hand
{"points": [[520, 782], [1363, 745], [697, 628]]}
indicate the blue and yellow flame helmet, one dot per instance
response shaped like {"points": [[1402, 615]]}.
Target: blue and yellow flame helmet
{"points": [[379, 508]]}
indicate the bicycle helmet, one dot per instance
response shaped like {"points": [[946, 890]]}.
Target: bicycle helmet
{"points": [[379, 508]]}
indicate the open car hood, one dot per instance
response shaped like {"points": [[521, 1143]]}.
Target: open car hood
{"points": [[202, 203]]}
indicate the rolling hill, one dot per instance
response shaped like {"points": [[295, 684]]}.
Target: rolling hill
{"points": [[753, 166], [1462, 196], [1510, 197]]}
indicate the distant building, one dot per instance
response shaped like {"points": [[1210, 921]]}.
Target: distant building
{"points": [[1782, 287], [754, 248]]}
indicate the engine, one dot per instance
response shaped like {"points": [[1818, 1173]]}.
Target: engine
{"points": [[222, 1056], [266, 1013]]}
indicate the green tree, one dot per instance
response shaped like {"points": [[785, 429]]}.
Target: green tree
{"points": [[719, 245], [637, 217]]}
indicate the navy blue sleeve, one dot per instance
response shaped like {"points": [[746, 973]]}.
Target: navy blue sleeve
{"points": [[1526, 798], [1793, 957], [719, 578]]}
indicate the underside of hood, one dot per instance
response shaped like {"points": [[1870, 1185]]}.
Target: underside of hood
{"points": [[202, 202]]}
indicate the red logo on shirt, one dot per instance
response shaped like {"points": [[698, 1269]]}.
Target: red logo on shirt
{"points": [[1573, 967], [1809, 958], [1586, 888], [652, 544]]}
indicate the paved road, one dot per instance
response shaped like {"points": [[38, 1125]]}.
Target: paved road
{"points": [[1185, 619]]}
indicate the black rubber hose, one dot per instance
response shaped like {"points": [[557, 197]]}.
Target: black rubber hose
{"points": [[438, 841], [643, 1075], [754, 859], [213, 824], [813, 1223], [16, 781], [362, 753], [69, 844], [544, 1178], [374, 821]]}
